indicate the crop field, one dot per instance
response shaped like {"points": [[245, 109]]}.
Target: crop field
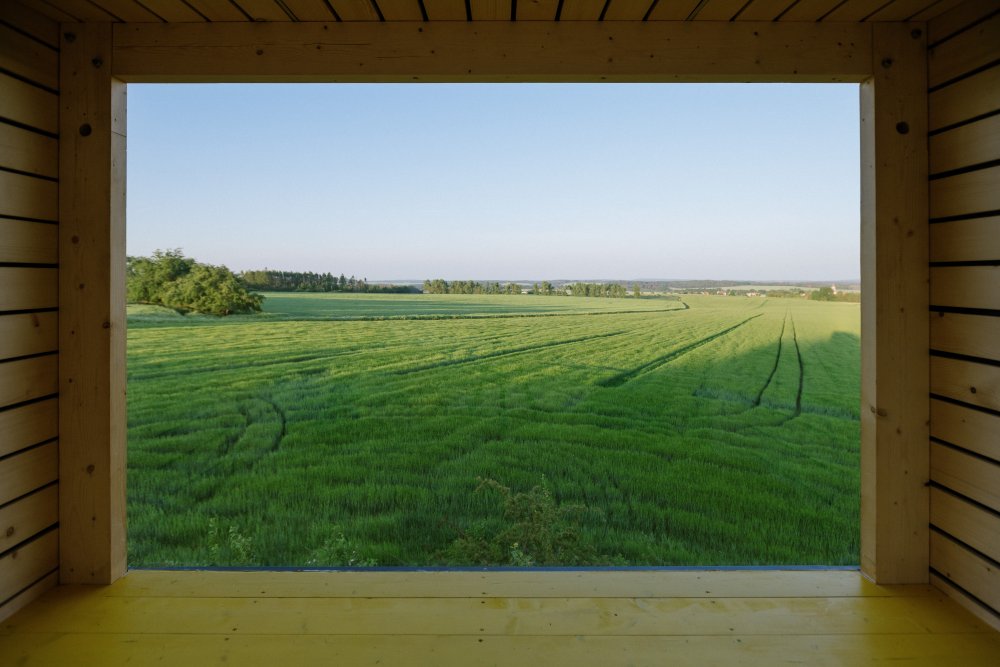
{"points": [[713, 431]]}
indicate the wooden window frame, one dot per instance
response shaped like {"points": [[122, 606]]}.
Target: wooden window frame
{"points": [[888, 59]]}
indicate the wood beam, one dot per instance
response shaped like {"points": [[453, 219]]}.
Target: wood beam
{"points": [[894, 321], [92, 308], [492, 51]]}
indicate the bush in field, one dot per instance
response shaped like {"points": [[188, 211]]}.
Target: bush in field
{"points": [[228, 546], [338, 551], [534, 531], [170, 279]]}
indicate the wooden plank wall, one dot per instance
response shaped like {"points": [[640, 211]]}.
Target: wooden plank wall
{"points": [[29, 203], [964, 203]]}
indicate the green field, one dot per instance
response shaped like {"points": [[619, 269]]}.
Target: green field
{"points": [[718, 431]]}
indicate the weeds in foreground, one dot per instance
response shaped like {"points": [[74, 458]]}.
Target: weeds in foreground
{"points": [[534, 530]]}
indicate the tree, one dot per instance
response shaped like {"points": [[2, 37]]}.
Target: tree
{"points": [[170, 279], [635, 291]]}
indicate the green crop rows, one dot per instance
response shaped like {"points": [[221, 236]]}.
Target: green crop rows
{"points": [[723, 433]]}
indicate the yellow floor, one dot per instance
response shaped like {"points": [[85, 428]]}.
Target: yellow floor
{"points": [[549, 619]]}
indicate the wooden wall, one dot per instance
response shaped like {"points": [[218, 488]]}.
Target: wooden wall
{"points": [[29, 203], [964, 142]]}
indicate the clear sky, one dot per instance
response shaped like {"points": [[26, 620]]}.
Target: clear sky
{"points": [[501, 181]]}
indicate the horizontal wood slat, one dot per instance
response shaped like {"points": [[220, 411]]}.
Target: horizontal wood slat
{"points": [[28, 197], [28, 516], [967, 428], [402, 10], [950, 22], [966, 286], [28, 333], [24, 566], [28, 242], [967, 381], [968, 523], [23, 103], [971, 240], [966, 145], [27, 379], [968, 98], [971, 335], [28, 470], [972, 192], [29, 595], [28, 288], [966, 474], [965, 52], [28, 21], [28, 151], [965, 568], [28, 425], [27, 58], [492, 51]]}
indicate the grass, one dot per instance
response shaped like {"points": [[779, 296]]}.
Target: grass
{"points": [[725, 433]]}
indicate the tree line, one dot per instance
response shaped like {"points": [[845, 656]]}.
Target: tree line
{"points": [[296, 281], [545, 288], [170, 279]]}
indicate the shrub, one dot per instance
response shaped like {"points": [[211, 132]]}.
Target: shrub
{"points": [[534, 530]]}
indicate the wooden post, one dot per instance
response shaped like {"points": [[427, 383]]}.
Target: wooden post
{"points": [[894, 308], [92, 308]]}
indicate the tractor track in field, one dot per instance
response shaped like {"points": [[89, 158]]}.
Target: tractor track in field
{"points": [[625, 376], [503, 353], [802, 374], [774, 369]]}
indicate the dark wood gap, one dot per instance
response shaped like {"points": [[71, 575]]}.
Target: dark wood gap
{"points": [[963, 450]]}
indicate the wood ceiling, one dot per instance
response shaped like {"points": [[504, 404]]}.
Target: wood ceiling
{"points": [[171, 11]]}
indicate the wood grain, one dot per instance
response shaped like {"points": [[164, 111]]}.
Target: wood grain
{"points": [[23, 288], [28, 197], [970, 429], [492, 51], [966, 145], [966, 286], [28, 242], [971, 335], [969, 50], [28, 516], [966, 474], [92, 316], [894, 332], [28, 425], [27, 379], [966, 522], [26, 471], [28, 333]]}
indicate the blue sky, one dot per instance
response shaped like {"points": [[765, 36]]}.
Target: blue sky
{"points": [[502, 181]]}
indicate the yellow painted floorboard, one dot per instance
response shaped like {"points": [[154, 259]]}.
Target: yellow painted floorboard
{"points": [[497, 618]]}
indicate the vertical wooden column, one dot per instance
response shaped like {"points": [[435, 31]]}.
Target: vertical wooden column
{"points": [[894, 308], [92, 308]]}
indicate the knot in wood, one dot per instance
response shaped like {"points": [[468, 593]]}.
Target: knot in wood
{"points": [[86, 130], [903, 127]]}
